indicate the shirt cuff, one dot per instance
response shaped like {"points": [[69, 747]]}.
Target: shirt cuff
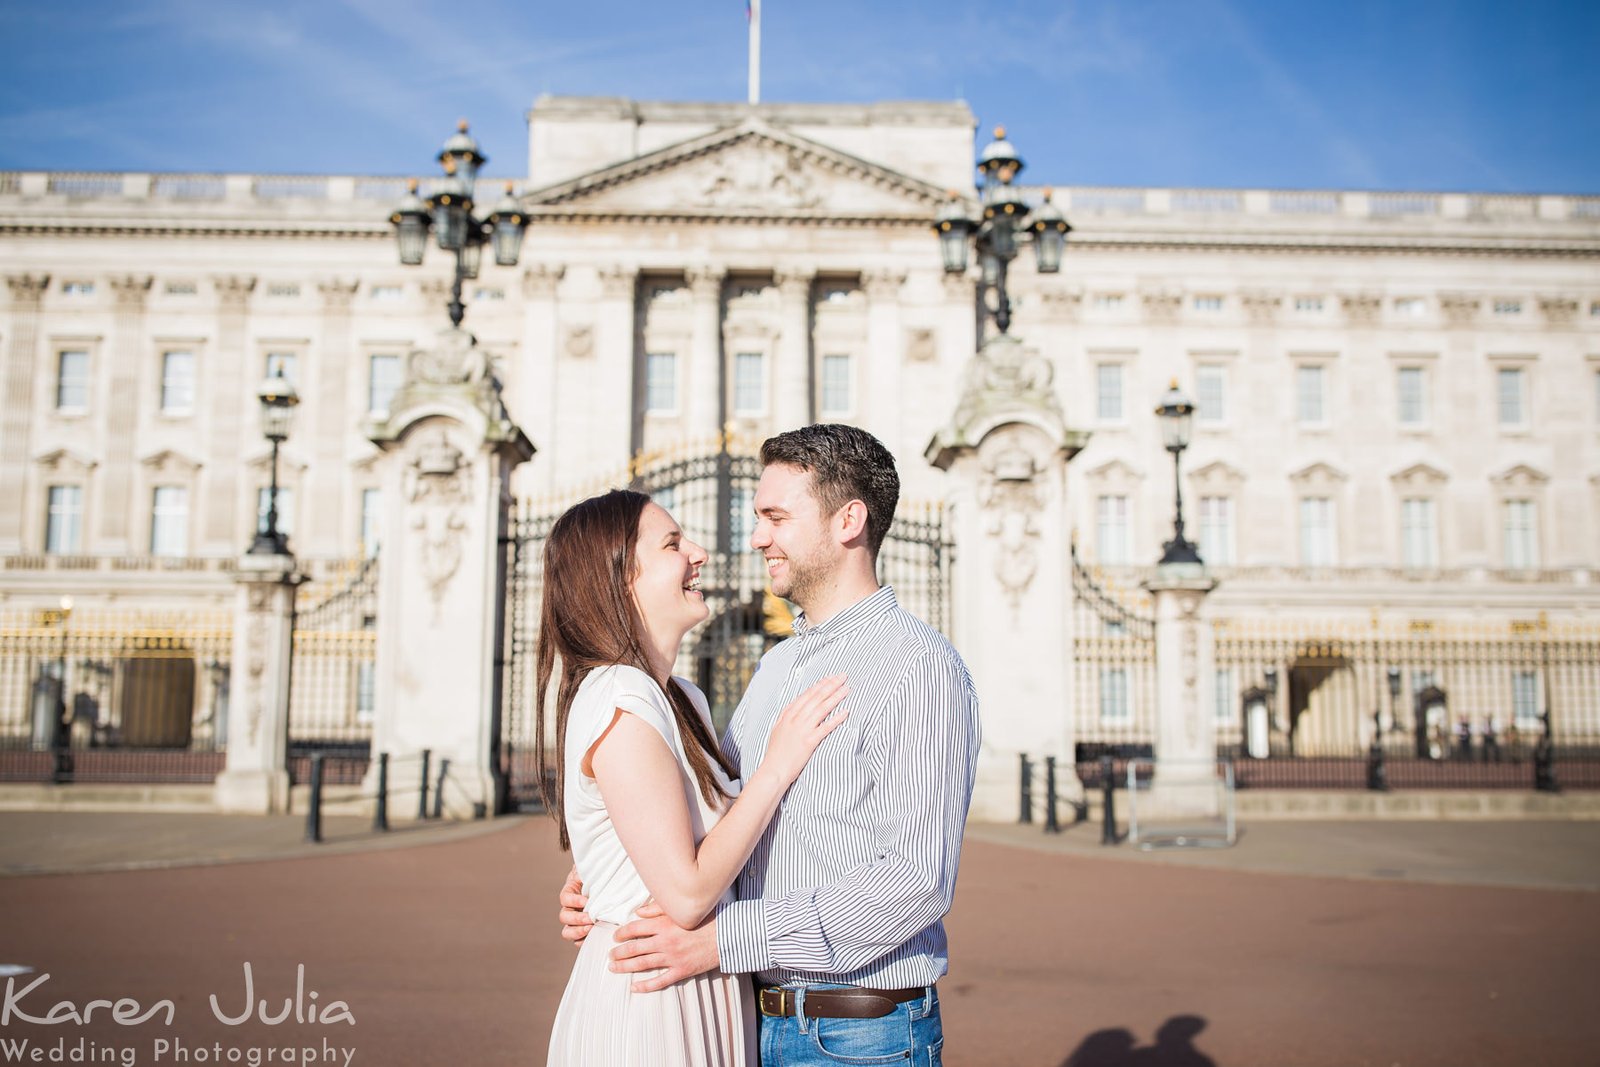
{"points": [[742, 937]]}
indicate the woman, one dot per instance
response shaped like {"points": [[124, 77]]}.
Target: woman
{"points": [[645, 799]]}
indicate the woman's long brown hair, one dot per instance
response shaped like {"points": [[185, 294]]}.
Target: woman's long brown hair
{"points": [[590, 619]]}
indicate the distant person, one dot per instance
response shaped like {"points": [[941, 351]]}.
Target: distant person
{"points": [[1491, 740], [1464, 738]]}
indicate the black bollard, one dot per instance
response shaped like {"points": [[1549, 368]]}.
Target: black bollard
{"points": [[1025, 812], [422, 799], [314, 809], [1544, 767], [438, 789], [380, 814], [1108, 783], [1377, 771], [1051, 824]]}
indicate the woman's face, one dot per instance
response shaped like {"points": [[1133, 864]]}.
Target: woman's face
{"points": [[667, 585]]}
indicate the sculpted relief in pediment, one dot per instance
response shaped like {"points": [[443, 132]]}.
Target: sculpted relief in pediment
{"points": [[744, 173]]}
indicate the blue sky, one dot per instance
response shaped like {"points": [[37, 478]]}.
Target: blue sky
{"points": [[1382, 94]]}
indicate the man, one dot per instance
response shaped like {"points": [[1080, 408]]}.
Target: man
{"points": [[840, 910]]}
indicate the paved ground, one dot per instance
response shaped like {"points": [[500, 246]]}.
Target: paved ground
{"points": [[1065, 955]]}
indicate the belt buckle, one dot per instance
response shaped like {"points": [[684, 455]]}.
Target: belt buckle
{"points": [[782, 997]]}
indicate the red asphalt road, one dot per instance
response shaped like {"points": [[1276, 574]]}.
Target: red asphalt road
{"points": [[448, 954]]}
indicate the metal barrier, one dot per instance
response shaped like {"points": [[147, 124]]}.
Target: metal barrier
{"points": [[429, 786]]}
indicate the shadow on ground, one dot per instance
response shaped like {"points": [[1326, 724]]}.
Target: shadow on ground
{"points": [[1117, 1047]]}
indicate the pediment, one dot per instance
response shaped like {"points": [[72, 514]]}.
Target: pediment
{"points": [[65, 461], [1317, 474], [170, 462], [1419, 475], [1217, 472], [289, 462], [1114, 471], [1520, 476], [752, 170]]}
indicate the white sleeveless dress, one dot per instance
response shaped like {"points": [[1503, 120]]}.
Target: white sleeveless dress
{"points": [[704, 1021]]}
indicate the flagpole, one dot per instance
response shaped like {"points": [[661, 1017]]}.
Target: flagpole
{"points": [[755, 51]]}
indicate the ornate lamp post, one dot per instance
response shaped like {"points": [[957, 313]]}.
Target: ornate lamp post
{"points": [[278, 399], [448, 212], [1177, 412], [998, 233]]}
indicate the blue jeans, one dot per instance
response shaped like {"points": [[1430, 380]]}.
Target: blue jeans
{"points": [[911, 1035]]}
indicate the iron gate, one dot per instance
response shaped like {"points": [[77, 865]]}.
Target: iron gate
{"points": [[712, 496]]}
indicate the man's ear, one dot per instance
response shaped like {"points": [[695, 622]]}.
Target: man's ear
{"points": [[850, 522]]}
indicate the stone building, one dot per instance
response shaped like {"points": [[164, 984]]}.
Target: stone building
{"points": [[1397, 439]]}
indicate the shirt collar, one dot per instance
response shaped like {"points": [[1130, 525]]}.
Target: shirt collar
{"points": [[868, 607]]}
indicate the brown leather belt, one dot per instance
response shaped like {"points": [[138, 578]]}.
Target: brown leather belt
{"points": [[837, 1003]]}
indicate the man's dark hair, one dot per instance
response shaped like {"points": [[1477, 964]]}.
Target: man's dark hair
{"points": [[846, 464]]}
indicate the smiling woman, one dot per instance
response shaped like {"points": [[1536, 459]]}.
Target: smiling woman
{"points": [[648, 803]]}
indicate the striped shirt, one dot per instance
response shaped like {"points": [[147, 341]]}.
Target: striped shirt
{"points": [[851, 881]]}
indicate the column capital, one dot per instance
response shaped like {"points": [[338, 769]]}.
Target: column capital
{"points": [[131, 290], [884, 283], [618, 281], [705, 282], [962, 287], [337, 292], [540, 280], [793, 283], [26, 289], [1261, 305], [233, 290]]}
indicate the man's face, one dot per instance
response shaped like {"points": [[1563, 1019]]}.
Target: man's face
{"points": [[793, 534]]}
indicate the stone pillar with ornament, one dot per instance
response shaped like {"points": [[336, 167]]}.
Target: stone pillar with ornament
{"points": [[1183, 800], [449, 448], [255, 779], [1007, 449]]}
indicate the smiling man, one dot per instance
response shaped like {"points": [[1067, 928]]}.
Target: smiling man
{"points": [[840, 910]]}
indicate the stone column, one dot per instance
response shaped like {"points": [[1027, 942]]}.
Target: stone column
{"points": [[1007, 449], [610, 422], [535, 397], [1184, 796], [234, 374], [325, 504], [881, 404], [127, 352], [703, 382], [793, 391], [16, 417], [449, 449], [256, 777]]}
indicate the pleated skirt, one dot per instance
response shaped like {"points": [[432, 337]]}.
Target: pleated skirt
{"points": [[704, 1021]]}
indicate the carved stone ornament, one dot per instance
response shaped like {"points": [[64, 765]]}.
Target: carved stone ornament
{"points": [[438, 494], [755, 177], [27, 289], [922, 344], [233, 290], [882, 284], [1161, 307], [1189, 669], [131, 290], [617, 282], [1261, 307], [1460, 309], [456, 358], [1005, 373], [256, 658], [1558, 310], [541, 280], [1362, 308], [337, 292], [579, 341], [1063, 303], [1010, 496]]}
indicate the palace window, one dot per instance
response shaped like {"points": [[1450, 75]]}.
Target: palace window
{"points": [[72, 381], [1525, 700], [741, 518], [281, 363], [1108, 391], [177, 383], [835, 385], [1306, 305], [1317, 543], [169, 521], [661, 382], [1216, 530], [285, 509], [1310, 403], [1508, 307], [1222, 696], [1111, 525], [1521, 529], [1208, 303], [1419, 539], [1412, 307], [371, 520], [77, 288], [1211, 394], [383, 381], [63, 530], [1114, 704], [749, 383], [1512, 393], [1410, 383]]}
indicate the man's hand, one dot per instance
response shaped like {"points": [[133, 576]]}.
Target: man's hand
{"points": [[653, 942], [575, 922]]}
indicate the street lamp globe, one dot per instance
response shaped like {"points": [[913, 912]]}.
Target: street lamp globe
{"points": [[954, 228], [411, 221], [1177, 414], [278, 399], [1050, 229], [507, 223], [460, 155]]}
